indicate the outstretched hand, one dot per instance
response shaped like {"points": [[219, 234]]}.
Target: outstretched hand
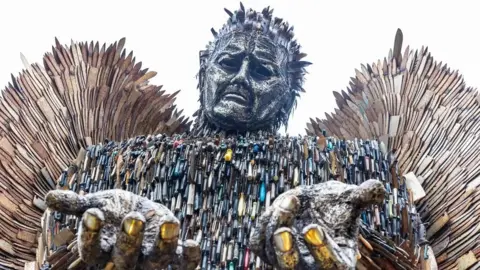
{"points": [[127, 231], [315, 227]]}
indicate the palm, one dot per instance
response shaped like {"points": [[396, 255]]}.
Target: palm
{"points": [[121, 229], [314, 227]]}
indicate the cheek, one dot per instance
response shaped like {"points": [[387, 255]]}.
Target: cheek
{"points": [[210, 85], [272, 91]]}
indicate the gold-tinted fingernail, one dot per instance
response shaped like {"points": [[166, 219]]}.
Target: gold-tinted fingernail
{"points": [[72, 245], [359, 255], [314, 236], [169, 230], [283, 240], [290, 203], [75, 264], [92, 222], [110, 266], [132, 226]]}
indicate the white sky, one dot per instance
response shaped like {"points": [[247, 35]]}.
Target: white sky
{"points": [[166, 36]]}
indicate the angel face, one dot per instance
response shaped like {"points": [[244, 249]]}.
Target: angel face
{"points": [[246, 84]]}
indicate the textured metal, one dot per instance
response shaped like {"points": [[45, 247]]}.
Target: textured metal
{"points": [[83, 93], [404, 120], [125, 226], [222, 190], [333, 207], [250, 74], [424, 111]]}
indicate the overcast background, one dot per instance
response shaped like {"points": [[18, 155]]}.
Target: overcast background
{"points": [[166, 36]]}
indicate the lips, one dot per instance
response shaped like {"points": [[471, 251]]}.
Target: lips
{"points": [[236, 96]]}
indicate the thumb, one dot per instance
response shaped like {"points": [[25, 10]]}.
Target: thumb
{"points": [[67, 201]]}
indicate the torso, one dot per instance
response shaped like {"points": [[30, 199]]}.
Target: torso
{"points": [[218, 187]]}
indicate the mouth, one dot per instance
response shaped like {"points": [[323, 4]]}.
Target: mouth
{"points": [[236, 97]]}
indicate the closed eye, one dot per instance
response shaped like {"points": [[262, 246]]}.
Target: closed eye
{"points": [[261, 71], [230, 64]]}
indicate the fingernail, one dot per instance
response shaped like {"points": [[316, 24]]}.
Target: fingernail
{"points": [[283, 239], [72, 245], [132, 226], [75, 263], [290, 203], [92, 222], [314, 236], [109, 266], [169, 231]]}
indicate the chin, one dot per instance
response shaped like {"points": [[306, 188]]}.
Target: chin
{"points": [[226, 117], [233, 111]]}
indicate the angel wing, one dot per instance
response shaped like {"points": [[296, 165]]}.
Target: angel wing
{"points": [[423, 112], [83, 93]]}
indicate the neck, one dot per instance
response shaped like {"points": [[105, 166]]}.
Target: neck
{"points": [[203, 127]]}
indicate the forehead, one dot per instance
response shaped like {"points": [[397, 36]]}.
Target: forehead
{"points": [[250, 43]]}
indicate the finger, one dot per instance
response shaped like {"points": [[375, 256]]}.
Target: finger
{"points": [[129, 242], [315, 239], [189, 255], [370, 192], [67, 202], [164, 251], [285, 251], [282, 217], [169, 231], [109, 266], [90, 237], [76, 264]]}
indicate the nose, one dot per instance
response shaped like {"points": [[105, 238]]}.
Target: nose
{"points": [[242, 76]]}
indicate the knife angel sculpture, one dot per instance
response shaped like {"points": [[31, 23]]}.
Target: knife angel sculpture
{"points": [[53, 117]]}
